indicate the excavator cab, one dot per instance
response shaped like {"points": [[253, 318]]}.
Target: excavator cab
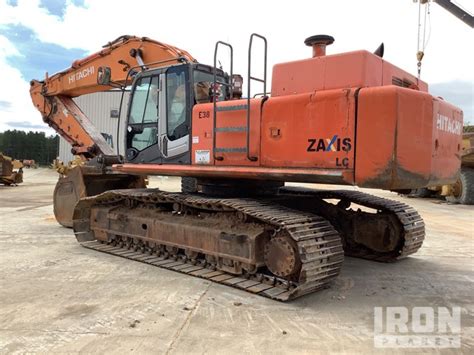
{"points": [[158, 131], [160, 110]]}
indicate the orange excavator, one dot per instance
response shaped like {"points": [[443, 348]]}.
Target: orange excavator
{"points": [[349, 118]]}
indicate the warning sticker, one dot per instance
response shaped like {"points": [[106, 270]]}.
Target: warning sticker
{"points": [[202, 156], [195, 139]]}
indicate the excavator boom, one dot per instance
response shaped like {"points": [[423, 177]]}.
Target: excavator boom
{"points": [[112, 67]]}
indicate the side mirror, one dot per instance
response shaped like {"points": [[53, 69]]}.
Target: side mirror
{"points": [[103, 76]]}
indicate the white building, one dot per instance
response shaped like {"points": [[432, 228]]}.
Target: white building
{"points": [[102, 109]]}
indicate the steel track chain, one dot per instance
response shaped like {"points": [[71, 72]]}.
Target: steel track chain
{"points": [[318, 243], [411, 222]]}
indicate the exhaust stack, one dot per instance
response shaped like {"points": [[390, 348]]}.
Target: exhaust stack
{"points": [[319, 43]]}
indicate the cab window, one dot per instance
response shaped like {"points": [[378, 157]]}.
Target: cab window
{"points": [[176, 105], [144, 108], [144, 139], [203, 82], [142, 123]]}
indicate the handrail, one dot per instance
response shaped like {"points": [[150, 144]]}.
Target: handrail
{"points": [[250, 78]]}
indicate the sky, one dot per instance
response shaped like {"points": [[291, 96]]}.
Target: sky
{"points": [[39, 36]]}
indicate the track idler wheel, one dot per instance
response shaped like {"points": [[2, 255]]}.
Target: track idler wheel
{"points": [[282, 257]]}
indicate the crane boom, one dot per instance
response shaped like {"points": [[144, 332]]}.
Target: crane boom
{"points": [[456, 11], [101, 71]]}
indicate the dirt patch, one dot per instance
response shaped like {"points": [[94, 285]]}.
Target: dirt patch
{"points": [[77, 310]]}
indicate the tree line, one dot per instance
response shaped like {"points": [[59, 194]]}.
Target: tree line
{"points": [[44, 149], [30, 145]]}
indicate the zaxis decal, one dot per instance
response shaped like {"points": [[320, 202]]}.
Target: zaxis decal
{"points": [[334, 144]]}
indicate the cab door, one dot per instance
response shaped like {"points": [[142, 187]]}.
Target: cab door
{"points": [[175, 114], [142, 143]]}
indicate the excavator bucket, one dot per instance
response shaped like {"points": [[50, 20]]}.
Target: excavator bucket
{"points": [[81, 181]]}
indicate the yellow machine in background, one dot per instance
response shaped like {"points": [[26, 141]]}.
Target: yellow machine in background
{"points": [[463, 190], [11, 171]]}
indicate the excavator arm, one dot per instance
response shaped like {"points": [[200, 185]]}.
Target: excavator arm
{"points": [[113, 66]]}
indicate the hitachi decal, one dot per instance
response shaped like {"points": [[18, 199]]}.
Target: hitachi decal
{"points": [[84, 73], [444, 123]]}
